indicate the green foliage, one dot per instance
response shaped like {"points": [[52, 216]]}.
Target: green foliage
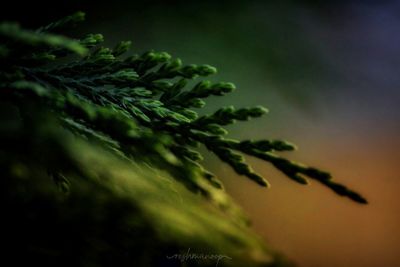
{"points": [[132, 98], [139, 108]]}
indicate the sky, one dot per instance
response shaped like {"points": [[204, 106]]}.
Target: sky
{"points": [[327, 71]]}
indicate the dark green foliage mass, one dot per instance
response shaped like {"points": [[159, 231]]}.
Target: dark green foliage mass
{"points": [[96, 145]]}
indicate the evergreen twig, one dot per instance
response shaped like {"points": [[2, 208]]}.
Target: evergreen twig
{"points": [[135, 106]]}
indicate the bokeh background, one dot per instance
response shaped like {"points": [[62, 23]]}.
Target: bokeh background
{"points": [[329, 73]]}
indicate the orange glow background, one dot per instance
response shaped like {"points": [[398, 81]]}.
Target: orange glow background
{"points": [[315, 227]]}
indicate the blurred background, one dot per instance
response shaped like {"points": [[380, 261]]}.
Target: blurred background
{"points": [[328, 72]]}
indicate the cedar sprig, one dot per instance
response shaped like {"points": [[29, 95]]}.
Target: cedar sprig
{"points": [[139, 106]]}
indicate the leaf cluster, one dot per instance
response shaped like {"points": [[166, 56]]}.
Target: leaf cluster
{"points": [[138, 106]]}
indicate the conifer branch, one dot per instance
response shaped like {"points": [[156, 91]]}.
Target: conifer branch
{"points": [[138, 105]]}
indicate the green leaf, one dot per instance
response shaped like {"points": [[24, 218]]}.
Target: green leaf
{"points": [[121, 48], [14, 32], [31, 86], [62, 23]]}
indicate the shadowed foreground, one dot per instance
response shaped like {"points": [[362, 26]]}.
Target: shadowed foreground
{"points": [[109, 212]]}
